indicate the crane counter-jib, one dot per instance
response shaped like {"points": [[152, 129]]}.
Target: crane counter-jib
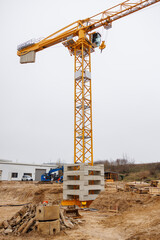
{"points": [[53, 39]]}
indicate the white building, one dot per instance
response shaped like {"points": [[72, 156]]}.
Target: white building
{"points": [[14, 171]]}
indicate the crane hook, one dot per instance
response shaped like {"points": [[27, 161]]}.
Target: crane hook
{"points": [[102, 46]]}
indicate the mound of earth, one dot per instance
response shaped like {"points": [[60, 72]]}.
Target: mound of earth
{"points": [[23, 192], [122, 200]]}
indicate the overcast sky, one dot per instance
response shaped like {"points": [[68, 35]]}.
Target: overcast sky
{"points": [[37, 100]]}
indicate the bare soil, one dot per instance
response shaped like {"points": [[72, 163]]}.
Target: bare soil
{"points": [[137, 218]]}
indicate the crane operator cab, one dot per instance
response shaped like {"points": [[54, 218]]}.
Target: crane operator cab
{"points": [[96, 39]]}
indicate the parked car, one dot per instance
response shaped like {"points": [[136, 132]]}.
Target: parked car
{"points": [[27, 178]]}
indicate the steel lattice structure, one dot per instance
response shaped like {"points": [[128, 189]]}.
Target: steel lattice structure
{"points": [[83, 142]]}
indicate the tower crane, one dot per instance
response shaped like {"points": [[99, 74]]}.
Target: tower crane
{"points": [[81, 39]]}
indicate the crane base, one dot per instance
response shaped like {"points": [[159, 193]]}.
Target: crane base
{"points": [[82, 182], [75, 202]]}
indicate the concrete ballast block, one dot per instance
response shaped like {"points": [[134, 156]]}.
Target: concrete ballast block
{"points": [[46, 213], [28, 58], [49, 228], [43, 227], [91, 178]]}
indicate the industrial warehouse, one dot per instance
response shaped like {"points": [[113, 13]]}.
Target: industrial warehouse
{"points": [[104, 180], [12, 171]]}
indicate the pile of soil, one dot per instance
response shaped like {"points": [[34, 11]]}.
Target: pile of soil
{"points": [[24, 192], [123, 200], [137, 218], [140, 222]]}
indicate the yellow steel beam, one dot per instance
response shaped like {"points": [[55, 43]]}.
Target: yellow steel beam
{"points": [[75, 202], [88, 25]]}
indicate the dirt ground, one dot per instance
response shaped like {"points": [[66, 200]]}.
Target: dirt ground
{"points": [[137, 217]]}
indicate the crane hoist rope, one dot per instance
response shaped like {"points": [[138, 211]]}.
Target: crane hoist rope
{"points": [[81, 39]]}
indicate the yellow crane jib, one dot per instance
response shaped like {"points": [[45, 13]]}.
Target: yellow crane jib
{"points": [[81, 39], [104, 19]]}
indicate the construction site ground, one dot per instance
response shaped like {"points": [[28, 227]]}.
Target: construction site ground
{"points": [[137, 217]]}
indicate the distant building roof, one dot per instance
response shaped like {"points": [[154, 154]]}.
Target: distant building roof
{"points": [[5, 161], [50, 163], [26, 164]]}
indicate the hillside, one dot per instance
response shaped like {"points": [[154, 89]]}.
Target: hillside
{"points": [[131, 171]]}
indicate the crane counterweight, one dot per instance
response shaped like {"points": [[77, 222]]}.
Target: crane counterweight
{"points": [[30, 57]]}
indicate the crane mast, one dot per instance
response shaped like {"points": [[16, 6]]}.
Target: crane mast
{"points": [[81, 40], [83, 141]]}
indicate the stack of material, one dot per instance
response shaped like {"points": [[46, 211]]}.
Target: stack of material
{"points": [[111, 187], [83, 181], [68, 221], [142, 190], [22, 222], [47, 220], [155, 183], [137, 187], [154, 191], [51, 219]]}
